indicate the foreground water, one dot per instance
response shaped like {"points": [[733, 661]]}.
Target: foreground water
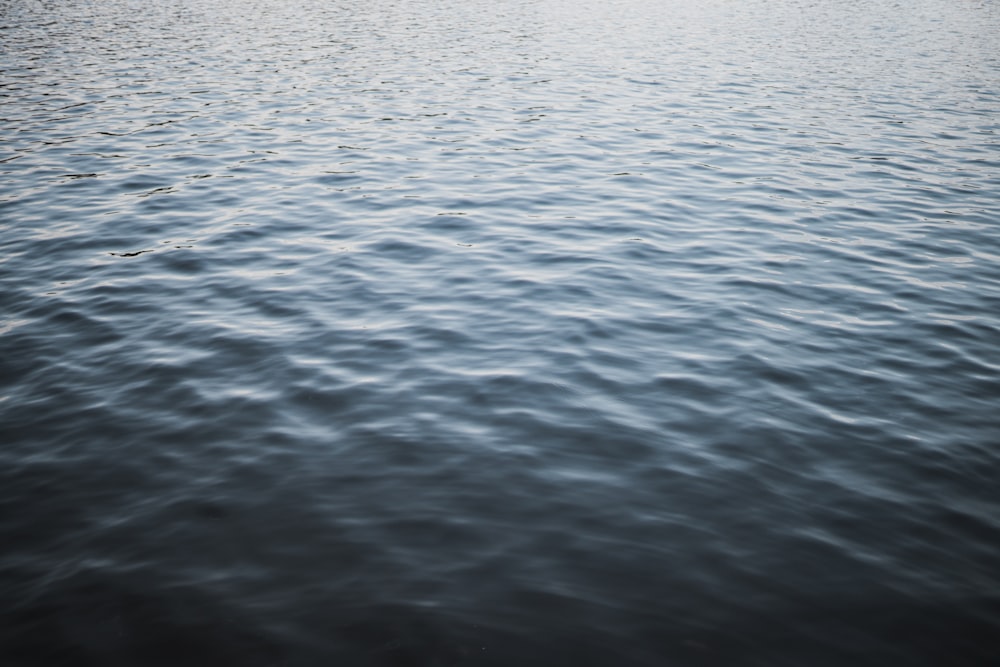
{"points": [[499, 333]]}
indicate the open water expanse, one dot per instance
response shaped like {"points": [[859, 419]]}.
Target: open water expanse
{"points": [[384, 333]]}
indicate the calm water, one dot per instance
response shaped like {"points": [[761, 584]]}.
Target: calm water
{"points": [[635, 333]]}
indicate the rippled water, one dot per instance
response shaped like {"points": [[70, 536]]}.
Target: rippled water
{"points": [[645, 332]]}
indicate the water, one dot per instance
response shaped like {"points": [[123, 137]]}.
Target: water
{"points": [[493, 333]]}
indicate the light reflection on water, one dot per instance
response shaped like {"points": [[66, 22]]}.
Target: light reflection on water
{"points": [[441, 333]]}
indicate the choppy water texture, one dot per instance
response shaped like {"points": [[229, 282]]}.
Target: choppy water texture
{"points": [[499, 333]]}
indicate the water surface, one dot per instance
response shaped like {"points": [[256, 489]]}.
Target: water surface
{"points": [[494, 333]]}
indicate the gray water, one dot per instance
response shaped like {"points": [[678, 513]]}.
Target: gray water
{"points": [[647, 332]]}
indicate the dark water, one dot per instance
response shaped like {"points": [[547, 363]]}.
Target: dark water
{"points": [[499, 333]]}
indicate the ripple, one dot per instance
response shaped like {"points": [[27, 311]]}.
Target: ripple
{"points": [[661, 333]]}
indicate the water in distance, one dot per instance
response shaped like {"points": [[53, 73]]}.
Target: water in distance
{"points": [[643, 333]]}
